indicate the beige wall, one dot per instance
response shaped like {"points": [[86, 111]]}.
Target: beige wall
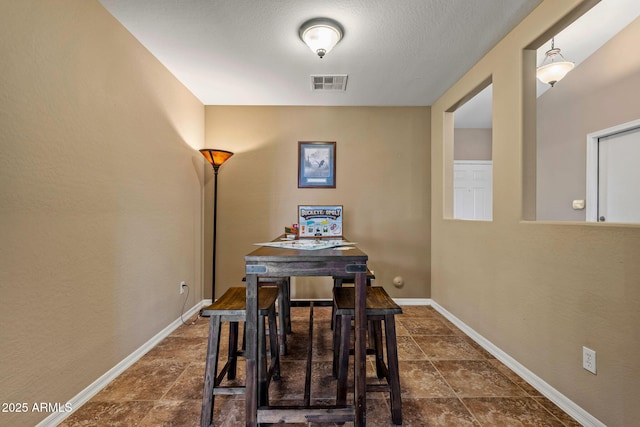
{"points": [[382, 181], [101, 199], [599, 93], [472, 144], [539, 291]]}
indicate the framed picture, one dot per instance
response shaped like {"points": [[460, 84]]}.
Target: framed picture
{"points": [[316, 164]]}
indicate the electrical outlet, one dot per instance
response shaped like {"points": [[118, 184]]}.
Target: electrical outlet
{"points": [[182, 286], [589, 359]]}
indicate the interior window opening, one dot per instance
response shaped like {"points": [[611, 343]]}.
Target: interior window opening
{"points": [[587, 144], [472, 158]]}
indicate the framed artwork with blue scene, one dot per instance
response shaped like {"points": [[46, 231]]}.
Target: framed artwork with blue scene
{"points": [[316, 164]]}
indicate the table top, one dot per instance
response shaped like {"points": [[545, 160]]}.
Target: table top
{"points": [[270, 254]]}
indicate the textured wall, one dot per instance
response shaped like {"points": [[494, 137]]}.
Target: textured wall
{"points": [[100, 199], [539, 291], [382, 181]]}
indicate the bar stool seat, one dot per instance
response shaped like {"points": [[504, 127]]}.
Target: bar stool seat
{"points": [[231, 308], [380, 308]]}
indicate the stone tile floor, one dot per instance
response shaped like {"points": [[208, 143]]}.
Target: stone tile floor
{"points": [[446, 378]]}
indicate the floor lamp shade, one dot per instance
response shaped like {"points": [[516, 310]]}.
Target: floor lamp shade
{"points": [[216, 158]]}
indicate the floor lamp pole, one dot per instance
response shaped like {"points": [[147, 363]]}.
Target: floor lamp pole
{"points": [[216, 158], [215, 224]]}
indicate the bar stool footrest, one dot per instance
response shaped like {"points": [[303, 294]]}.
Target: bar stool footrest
{"points": [[306, 414], [230, 390]]}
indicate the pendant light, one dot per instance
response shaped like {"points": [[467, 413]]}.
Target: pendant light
{"points": [[554, 67]]}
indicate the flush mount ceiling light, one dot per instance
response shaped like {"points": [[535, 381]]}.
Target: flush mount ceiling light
{"points": [[553, 71], [321, 35]]}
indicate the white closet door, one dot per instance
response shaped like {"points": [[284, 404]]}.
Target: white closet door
{"points": [[473, 190], [619, 177]]}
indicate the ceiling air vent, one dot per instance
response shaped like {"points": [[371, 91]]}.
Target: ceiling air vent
{"points": [[329, 83]]}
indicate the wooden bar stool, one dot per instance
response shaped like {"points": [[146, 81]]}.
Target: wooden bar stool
{"points": [[231, 307], [284, 306], [380, 308]]}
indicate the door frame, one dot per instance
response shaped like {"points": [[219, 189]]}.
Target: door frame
{"points": [[592, 165]]}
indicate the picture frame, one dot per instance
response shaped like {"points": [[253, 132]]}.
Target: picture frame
{"points": [[316, 164]]}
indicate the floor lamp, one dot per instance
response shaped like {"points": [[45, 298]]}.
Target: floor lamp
{"points": [[216, 158]]}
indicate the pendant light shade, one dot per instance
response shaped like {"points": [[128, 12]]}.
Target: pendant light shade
{"points": [[554, 67], [321, 35]]}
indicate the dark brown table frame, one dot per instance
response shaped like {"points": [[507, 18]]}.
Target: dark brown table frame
{"points": [[277, 262]]}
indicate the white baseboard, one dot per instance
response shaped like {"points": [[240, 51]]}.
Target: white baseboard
{"points": [[85, 395], [412, 301], [563, 402]]}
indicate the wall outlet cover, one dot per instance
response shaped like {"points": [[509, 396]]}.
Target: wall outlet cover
{"points": [[589, 359]]}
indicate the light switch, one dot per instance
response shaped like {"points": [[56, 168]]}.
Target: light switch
{"points": [[578, 204]]}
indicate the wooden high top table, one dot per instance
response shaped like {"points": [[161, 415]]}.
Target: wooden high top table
{"points": [[279, 262]]}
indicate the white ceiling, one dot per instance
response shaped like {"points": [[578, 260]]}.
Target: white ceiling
{"points": [[247, 52], [396, 53]]}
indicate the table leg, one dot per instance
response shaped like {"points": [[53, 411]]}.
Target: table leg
{"points": [[251, 325], [360, 398]]}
